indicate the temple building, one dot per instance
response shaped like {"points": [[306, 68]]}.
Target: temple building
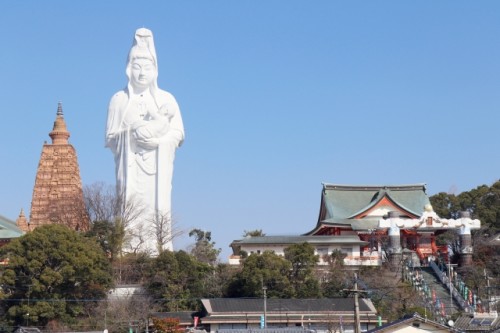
{"points": [[57, 194], [8, 230], [369, 225]]}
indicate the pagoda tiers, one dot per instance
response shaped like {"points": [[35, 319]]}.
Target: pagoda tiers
{"points": [[57, 195], [357, 219]]}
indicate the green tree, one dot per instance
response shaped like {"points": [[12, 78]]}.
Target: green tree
{"points": [[337, 279], [109, 235], [53, 273], [445, 205], [204, 249], [177, 279], [253, 233], [483, 203], [262, 270], [217, 282], [302, 277]]}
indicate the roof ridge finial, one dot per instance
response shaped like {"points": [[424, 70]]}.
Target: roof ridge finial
{"points": [[59, 134], [59, 108]]}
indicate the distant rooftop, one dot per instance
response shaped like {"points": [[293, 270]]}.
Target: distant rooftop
{"points": [[288, 240], [9, 229], [248, 305]]}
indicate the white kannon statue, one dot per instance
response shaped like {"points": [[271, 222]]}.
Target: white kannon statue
{"points": [[143, 130]]}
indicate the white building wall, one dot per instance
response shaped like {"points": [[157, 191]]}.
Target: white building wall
{"points": [[354, 257]]}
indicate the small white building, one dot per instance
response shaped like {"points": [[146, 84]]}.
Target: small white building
{"points": [[349, 245]]}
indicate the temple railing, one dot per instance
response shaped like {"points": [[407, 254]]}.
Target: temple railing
{"points": [[453, 291], [362, 261], [373, 260]]}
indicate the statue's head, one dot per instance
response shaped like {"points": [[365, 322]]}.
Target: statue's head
{"points": [[142, 68]]}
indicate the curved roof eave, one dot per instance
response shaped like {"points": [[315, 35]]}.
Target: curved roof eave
{"points": [[313, 239], [385, 193], [331, 223]]}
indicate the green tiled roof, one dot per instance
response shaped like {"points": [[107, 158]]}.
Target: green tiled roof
{"points": [[364, 224], [9, 229], [345, 201], [340, 204]]}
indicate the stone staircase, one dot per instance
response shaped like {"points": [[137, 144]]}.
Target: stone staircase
{"points": [[441, 291]]}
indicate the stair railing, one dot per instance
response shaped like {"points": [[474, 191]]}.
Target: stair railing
{"points": [[417, 280], [454, 292]]}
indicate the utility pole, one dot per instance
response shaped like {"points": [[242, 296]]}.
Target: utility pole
{"points": [[356, 292], [487, 278], [106, 319], [28, 314], [264, 288], [356, 304]]}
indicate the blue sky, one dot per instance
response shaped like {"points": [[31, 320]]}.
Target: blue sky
{"points": [[277, 97]]}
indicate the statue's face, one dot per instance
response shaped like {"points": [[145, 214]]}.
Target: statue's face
{"points": [[142, 72]]}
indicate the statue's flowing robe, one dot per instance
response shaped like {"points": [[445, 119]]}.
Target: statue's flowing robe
{"points": [[144, 174]]}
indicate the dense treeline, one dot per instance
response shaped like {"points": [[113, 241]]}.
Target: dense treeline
{"points": [[52, 274], [59, 278], [482, 202], [172, 281]]}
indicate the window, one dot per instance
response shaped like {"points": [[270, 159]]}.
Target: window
{"points": [[346, 250], [322, 251], [429, 221]]}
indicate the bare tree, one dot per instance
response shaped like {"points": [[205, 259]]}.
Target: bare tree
{"points": [[135, 238], [69, 210], [165, 230], [121, 314], [130, 211], [104, 204], [101, 202]]}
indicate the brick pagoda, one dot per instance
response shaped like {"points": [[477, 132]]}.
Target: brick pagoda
{"points": [[57, 195]]}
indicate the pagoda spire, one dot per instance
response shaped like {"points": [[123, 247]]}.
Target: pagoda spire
{"points": [[21, 221], [59, 134]]}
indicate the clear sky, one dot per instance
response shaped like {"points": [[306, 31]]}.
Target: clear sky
{"points": [[277, 97]]}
